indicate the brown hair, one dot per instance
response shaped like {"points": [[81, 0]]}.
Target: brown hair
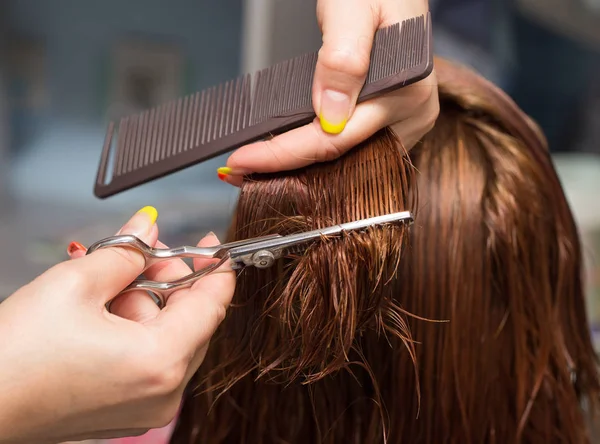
{"points": [[349, 342]]}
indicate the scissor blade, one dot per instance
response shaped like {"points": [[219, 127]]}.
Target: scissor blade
{"points": [[277, 246], [250, 241]]}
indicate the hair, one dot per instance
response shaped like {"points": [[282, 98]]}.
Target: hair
{"points": [[467, 327]]}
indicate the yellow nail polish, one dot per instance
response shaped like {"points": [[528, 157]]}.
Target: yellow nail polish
{"points": [[151, 212], [332, 128], [224, 170]]}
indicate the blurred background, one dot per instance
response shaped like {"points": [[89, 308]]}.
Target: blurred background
{"points": [[67, 67]]}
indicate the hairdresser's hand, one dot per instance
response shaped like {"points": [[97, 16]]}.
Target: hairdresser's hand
{"points": [[71, 370], [348, 28]]}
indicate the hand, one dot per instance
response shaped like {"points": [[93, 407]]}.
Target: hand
{"points": [[348, 28], [71, 370]]}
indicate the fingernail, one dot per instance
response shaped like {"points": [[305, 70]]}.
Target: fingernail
{"points": [[141, 222], [212, 234], [223, 172], [151, 212], [74, 247], [335, 107]]}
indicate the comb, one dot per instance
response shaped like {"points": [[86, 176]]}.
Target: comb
{"points": [[184, 132]]}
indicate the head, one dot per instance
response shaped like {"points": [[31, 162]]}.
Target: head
{"points": [[469, 326]]}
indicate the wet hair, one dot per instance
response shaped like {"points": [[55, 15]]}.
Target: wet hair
{"points": [[467, 327]]}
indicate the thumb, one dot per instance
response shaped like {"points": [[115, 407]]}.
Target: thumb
{"points": [[190, 317], [348, 28], [115, 268]]}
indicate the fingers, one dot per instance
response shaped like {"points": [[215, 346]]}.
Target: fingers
{"points": [[167, 270], [75, 250], [209, 240], [191, 317], [348, 28], [308, 144], [139, 306], [412, 129], [136, 306], [107, 271]]}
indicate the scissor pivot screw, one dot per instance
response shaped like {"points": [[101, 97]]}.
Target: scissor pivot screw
{"points": [[263, 259]]}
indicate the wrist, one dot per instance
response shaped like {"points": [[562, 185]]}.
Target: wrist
{"points": [[10, 413], [20, 423], [25, 414], [19, 393]]}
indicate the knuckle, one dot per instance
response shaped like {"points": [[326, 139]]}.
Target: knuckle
{"points": [[131, 257], [168, 379], [422, 94], [161, 375], [433, 111], [427, 106], [349, 62], [433, 115], [71, 276], [217, 313]]}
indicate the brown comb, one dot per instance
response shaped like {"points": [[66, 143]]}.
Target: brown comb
{"points": [[198, 127]]}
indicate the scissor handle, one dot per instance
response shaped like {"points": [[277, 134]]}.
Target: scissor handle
{"points": [[162, 290], [153, 255]]}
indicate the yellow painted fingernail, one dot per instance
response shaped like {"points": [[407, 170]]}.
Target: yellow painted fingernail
{"points": [[335, 110], [223, 172], [151, 212], [332, 128]]}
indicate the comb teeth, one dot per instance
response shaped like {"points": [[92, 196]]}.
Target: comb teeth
{"points": [[200, 126], [283, 88]]}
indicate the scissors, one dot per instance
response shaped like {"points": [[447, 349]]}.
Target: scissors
{"points": [[259, 252]]}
